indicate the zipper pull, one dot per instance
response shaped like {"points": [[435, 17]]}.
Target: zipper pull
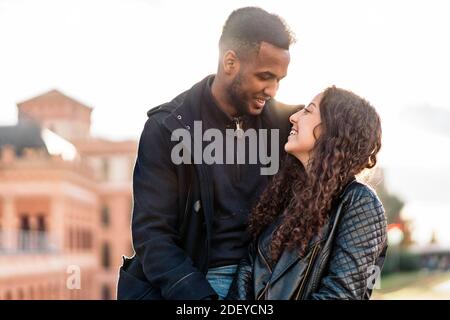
{"points": [[239, 131]]}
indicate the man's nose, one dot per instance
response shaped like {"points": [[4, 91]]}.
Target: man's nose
{"points": [[271, 90]]}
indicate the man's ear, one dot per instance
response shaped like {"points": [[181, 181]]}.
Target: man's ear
{"points": [[230, 62]]}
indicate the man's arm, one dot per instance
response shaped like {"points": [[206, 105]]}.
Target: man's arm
{"points": [[154, 223]]}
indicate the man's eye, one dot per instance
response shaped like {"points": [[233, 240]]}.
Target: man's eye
{"points": [[263, 76]]}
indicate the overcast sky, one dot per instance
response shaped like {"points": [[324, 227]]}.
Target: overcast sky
{"points": [[124, 57]]}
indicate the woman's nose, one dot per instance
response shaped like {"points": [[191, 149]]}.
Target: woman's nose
{"points": [[294, 118]]}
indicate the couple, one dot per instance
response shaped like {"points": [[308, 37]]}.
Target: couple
{"points": [[226, 231]]}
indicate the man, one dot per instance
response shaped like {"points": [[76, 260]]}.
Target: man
{"points": [[189, 218]]}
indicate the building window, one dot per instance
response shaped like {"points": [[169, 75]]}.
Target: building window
{"points": [[89, 239], [106, 292], [20, 295], [24, 233], [105, 168], [41, 223], [8, 295], [86, 239], [41, 232], [79, 241], [82, 239], [25, 223], [71, 244], [105, 216], [106, 256]]}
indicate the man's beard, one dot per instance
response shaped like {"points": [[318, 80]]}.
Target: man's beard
{"points": [[236, 96]]}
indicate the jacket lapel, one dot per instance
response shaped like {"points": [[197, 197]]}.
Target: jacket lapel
{"points": [[289, 257]]}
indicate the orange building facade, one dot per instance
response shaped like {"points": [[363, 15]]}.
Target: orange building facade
{"points": [[65, 203]]}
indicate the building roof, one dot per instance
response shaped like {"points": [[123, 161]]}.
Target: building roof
{"points": [[22, 136], [52, 95], [98, 146]]}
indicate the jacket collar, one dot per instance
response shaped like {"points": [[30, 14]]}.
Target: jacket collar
{"points": [[187, 108]]}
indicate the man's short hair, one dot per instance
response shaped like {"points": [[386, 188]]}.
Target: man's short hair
{"points": [[247, 27]]}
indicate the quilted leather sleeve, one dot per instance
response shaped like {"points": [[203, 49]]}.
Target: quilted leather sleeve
{"points": [[359, 244], [242, 286]]}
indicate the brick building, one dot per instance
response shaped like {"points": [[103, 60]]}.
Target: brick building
{"points": [[65, 203]]}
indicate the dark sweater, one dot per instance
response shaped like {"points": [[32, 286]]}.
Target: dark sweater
{"points": [[236, 187]]}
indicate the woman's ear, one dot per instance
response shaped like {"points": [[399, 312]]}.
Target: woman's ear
{"points": [[317, 131]]}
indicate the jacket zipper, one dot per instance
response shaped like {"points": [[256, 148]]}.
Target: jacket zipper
{"points": [[302, 284], [270, 269], [239, 134]]}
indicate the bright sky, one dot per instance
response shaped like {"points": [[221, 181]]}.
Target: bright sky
{"points": [[124, 57]]}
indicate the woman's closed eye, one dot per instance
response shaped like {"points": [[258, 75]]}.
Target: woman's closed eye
{"points": [[309, 107]]}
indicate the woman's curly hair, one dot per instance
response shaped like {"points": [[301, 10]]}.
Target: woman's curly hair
{"points": [[349, 142]]}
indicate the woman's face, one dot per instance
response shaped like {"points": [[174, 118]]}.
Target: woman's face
{"points": [[305, 130]]}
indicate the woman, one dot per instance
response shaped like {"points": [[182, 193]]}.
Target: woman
{"points": [[319, 234]]}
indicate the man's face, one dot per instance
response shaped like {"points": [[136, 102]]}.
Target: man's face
{"points": [[258, 78]]}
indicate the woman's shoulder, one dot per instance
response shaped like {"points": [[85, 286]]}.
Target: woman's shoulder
{"points": [[361, 196], [362, 215], [357, 190]]}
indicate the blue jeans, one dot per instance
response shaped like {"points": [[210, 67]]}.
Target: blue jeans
{"points": [[220, 279]]}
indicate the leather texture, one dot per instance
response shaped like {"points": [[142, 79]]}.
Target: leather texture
{"points": [[341, 262]]}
